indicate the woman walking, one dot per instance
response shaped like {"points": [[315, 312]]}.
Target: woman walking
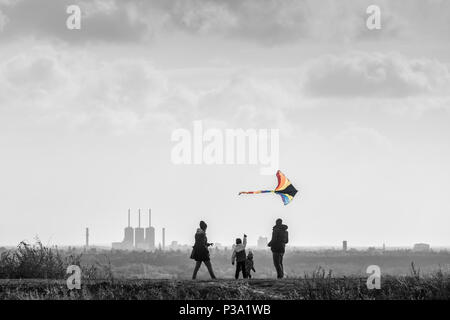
{"points": [[200, 252]]}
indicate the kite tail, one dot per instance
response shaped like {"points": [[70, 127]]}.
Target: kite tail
{"points": [[255, 192]]}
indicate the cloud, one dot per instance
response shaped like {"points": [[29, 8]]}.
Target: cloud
{"points": [[3, 20], [375, 75], [266, 22], [66, 86], [80, 89], [203, 17], [276, 22], [273, 22], [101, 20]]}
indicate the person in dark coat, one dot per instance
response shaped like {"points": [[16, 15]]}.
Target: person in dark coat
{"points": [[278, 243], [200, 252]]}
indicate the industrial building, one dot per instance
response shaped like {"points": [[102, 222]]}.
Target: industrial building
{"points": [[421, 247], [137, 238], [150, 233], [262, 243]]}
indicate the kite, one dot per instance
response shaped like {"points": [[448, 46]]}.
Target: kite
{"points": [[284, 188]]}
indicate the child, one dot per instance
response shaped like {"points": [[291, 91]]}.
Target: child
{"points": [[249, 265], [239, 256]]}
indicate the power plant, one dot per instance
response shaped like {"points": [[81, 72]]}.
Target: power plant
{"points": [[137, 238], [150, 232], [139, 241], [128, 239]]}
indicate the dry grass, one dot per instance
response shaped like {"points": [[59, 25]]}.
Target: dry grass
{"points": [[37, 272], [320, 287]]}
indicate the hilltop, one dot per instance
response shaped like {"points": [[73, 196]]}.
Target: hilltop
{"points": [[321, 286]]}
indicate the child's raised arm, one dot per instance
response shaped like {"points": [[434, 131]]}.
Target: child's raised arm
{"points": [[245, 240]]}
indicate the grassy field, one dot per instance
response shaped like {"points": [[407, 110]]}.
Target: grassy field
{"points": [[318, 288], [36, 272]]}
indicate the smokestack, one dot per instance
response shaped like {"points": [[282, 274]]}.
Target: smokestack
{"points": [[128, 218], [87, 237], [150, 232], [149, 218], [139, 225], [164, 238]]}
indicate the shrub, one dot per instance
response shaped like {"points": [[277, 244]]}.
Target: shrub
{"points": [[35, 261]]}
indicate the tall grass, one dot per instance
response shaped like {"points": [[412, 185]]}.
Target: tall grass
{"points": [[35, 261]]}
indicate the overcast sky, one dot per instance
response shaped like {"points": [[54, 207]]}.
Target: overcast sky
{"points": [[86, 118]]}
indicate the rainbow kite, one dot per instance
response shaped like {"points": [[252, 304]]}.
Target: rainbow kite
{"points": [[284, 188]]}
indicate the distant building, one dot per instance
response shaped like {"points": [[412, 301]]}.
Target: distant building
{"points": [[374, 251], [137, 238], [262, 243], [175, 246], [128, 240], [344, 245], [150, 233], [421, 247]]}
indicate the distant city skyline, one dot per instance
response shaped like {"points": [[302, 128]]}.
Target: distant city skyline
{"points": [[159, 241]]}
